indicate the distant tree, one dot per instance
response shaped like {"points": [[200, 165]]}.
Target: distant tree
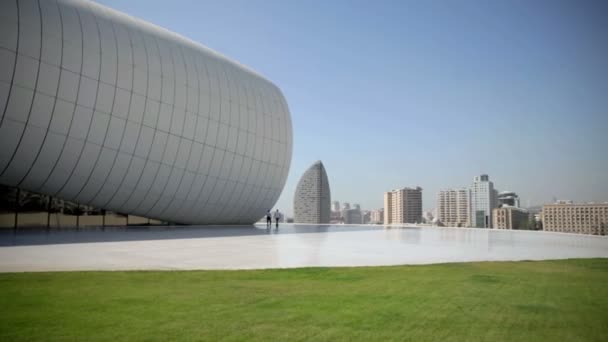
{"points": [[532, 224], [529, 224], [523, 225]]}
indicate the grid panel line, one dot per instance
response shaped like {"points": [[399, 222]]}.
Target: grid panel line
{"points": [[14, 67], [242, 160], [90, 122], [33, 96], [52, 172]]}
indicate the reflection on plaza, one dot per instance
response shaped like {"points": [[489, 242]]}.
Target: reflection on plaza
{"points": [[193, 247]]}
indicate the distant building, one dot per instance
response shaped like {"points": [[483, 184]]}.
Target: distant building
{"points": [[427, 217], [357, 206], [335, 217], [377, 216], [482, 199], [453, 207], [366, 216], [538, 220], [336, 206], [508, 217], [313, 196], [352, 216], [576, 218], [403, 206], [345, 206], [336, 213], [509, 198]]}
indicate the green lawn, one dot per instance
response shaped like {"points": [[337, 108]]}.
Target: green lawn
{"points": [[492, 301]]}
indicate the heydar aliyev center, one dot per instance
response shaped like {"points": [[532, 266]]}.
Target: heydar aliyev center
{"points": [[106, 110]]}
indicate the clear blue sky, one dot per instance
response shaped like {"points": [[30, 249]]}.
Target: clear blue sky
{"points": [[431, 93]]}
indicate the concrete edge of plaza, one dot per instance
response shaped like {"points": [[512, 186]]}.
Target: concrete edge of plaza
{"points": [[412, 225]]}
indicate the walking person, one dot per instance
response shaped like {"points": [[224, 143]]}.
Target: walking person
{"points": [[277, 217], [268, 219]]}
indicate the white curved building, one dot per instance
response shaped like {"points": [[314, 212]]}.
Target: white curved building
{"points": [[106, 110], [313, 196]]}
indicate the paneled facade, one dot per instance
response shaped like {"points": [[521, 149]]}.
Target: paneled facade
{"points": [[107, 110], [313, 196]]}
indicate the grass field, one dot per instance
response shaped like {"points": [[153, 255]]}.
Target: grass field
{"points": [[492, 301]]}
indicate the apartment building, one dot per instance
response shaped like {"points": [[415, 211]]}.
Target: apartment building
{"points": [[591, 218], [483, 198], [453, 207], [403, 206]]}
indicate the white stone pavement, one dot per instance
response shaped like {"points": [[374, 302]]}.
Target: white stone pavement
{"points": [[190, 248]]}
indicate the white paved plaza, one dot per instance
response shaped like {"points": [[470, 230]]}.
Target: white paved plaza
{"points": [[190, 248]]}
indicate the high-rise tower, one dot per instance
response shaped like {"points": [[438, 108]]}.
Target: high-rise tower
{"points": [[453, 207], [403, 206], [483, 200], [313, 196]]}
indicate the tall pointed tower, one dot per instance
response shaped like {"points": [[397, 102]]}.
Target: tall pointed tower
{"points": [[313, 197]]}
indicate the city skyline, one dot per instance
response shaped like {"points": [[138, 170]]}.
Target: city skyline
{"points": [[510, 89], [163, 176]]}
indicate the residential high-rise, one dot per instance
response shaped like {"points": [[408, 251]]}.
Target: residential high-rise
{"points": [[508, 217], [453, 207], [313, 196], [482, 199], [403, 206], [576, 218]]}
